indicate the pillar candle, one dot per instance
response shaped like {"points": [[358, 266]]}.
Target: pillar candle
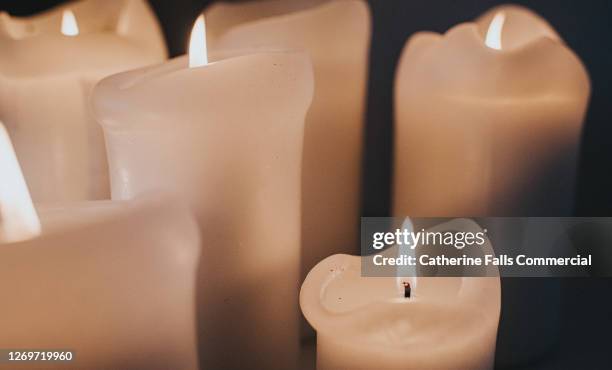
{"points": [[226, 136], [336, 34], [482, 131], [488, 123], [371, 323], [48, 64], [113, 283], [116, 288]]}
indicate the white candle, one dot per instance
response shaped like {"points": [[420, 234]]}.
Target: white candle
{"points": [[117, 289], [336, 34], [370, 323], [488, 123], [227, 137], [113, 283], [48, 65], [488, 132]]}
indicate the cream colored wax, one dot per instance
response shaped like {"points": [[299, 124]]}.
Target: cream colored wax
{"points": [[114, 282], [336, 34], [488, 123], [227, 137], [45, 80], [365, 323], [487, 132]]}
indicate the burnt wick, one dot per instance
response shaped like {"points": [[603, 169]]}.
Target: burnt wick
{"points": [[407, 289]]}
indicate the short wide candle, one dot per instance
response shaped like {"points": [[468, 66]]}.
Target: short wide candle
{"points": [[365, 323], [227, 137], [48, 65], [111, 281]]}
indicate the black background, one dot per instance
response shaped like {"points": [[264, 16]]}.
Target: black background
{"points": [[586, 26]]}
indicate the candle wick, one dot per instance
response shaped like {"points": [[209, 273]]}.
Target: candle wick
{"points": [[407, 289]]}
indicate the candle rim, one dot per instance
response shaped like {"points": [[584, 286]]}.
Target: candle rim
{"points": [[466, 43], [54, 14], [349, 326], [181, 64], [285, 16], [97, 51], [123, 207], [112, 94]]}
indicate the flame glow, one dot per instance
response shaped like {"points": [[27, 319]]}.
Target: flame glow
{"points": [[406, 274], [18, 218], [494, 34], [69, 24], [198, 53]]}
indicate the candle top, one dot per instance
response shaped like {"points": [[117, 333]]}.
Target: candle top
{"points": [[84, 35], [531, 63], [337, 300], [172, 89], [327, 29], [224, 15]]}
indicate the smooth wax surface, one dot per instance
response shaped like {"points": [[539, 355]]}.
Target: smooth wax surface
{"points": [[366, 323], [227, 137], [484, 132], [45, 83], [112, 281], [336, 35]]}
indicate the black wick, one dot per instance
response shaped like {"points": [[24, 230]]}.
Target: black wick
{"points": [[407, 289]]}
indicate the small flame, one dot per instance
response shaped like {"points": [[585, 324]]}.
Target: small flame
{"points": [[494, 34], [69, 24], [18, 218], [406, 278], [198, 54]]}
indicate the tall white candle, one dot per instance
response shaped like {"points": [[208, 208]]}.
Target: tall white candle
{"points": [[227, 136], [482, 131], [370, 323], [336, 35], [48, 65], [488, 123]]}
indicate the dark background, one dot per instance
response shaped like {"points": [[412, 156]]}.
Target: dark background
{"points": [[586, 26]]}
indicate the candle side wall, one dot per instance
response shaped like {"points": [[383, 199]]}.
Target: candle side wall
{"points": [[118, 292], [228, 138]]}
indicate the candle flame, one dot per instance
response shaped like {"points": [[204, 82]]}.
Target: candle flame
{"points": [[198, 54], [18, 218], [494, 34], [406, 275], [69, 23]]}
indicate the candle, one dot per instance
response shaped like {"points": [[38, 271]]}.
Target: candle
{"points": [[117, 290], [503, 138], [48, 65], [226, 136], [336, 34], [112, 283], [488, 122], [401, 322]]}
